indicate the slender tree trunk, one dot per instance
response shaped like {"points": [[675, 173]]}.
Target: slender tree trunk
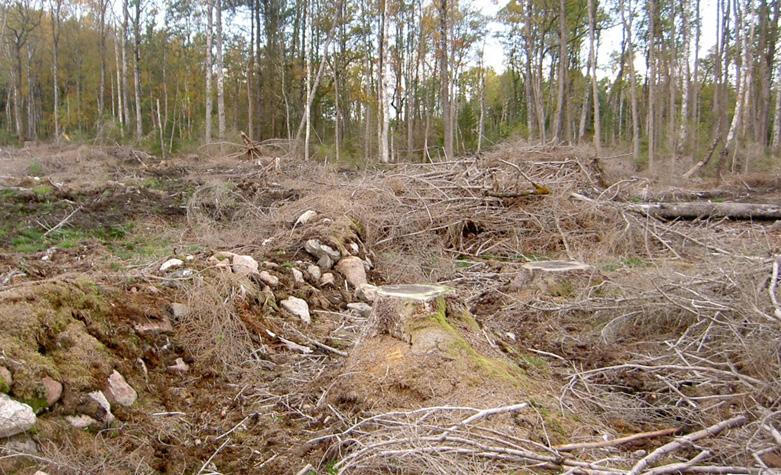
{"points": [[208, 70], [777, 117], [220, 73], [118, 66], [595, 87], [56, 8], [627, 21], [137, 69], [563, 60], [444, 78], [383, 119], [651, 84], [684, 128], [250, 73], [102, 6], [125, 105]]}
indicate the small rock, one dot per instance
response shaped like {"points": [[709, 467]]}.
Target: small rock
{"points": [[297, 307], [221, 264], [171, 264], [327, 279], [179, 310], [269, 279], [40, 472], [244, 265], [298, 276], [100, 407], [775, 227], [154, 327], [182, 274], [305, 217], [120, 391], [189, 258], [360, 308], [15, 417], [20, 444], [6, 380], [53, 390], [314, 271], [81, 421], [367, 293], [325, 254], [511, 336], [354, 247], [351, 268], [179, 366], [270, 265]]}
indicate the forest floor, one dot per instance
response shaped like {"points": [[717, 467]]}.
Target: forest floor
{"points": [[660, 355]]}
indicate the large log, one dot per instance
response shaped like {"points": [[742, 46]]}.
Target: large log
{"points": [[699, 209]]}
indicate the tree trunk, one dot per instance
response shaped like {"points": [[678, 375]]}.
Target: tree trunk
{"points": [[563, 60], [220, 74], [683, 131], [444, 79], [208, 72], [56, 9], [705, 209], [595, 88], [383, 121], [651, 84], [137, 69], [125, 105]]}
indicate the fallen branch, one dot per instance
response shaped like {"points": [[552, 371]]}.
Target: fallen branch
{"points": [[615, 442], [685, 440], [698, 209]]}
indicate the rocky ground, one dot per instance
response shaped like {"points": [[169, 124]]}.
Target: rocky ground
{"points": [[221, 315]]}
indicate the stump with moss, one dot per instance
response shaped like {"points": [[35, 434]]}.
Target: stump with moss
{"points": [[422, 347]]}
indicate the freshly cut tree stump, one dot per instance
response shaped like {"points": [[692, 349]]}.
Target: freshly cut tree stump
{"points": [[554, 278]]}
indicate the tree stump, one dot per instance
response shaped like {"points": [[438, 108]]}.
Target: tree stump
{"points": [[399, 307]]}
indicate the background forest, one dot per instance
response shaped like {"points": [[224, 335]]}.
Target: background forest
{"points": [[385, 80]]}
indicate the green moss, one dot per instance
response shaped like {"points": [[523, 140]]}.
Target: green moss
{"points": [[38, 404], [493, 367], [4, 386], [42, 191]]}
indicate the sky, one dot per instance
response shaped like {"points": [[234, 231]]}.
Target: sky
{"points": [[610, 40]]}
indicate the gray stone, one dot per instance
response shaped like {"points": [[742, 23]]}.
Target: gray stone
{"points": [[99, 408], [362, 309], [325, 254], [269, 279], [315, 272], [81, 421], [305, 217], [15, 417], [171, 264], [327, 279], [20, 444], [298, 276], [352, 269], [367, 293], [179, 366], [154, 327], [244, 265], [120, 391], [297, 307], [179, 310], [53, 390]]}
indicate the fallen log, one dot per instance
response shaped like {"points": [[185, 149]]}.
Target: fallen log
{"points": [[698, 209]]}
